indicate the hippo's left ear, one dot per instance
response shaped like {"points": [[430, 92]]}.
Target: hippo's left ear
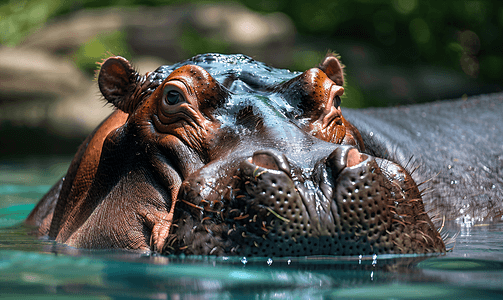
{"points": [[118, 81], [333, 68]]}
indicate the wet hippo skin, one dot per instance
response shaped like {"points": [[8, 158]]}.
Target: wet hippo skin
{"points": [[223, 155], [456, 145]]}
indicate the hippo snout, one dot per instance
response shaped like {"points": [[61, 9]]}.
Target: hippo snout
{"points": [[347, 203], [336, 207]]}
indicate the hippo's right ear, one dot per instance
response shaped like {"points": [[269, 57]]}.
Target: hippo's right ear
{"points": [[333, 68], [117, 81]]}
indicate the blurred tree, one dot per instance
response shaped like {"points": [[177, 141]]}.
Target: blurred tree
{"points": [[464, 37]]}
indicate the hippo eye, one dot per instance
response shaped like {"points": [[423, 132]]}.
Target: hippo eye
{"points": [[337, 101], [172, 97]]}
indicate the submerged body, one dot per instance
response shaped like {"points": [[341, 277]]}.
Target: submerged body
{"points": [[458, 147], [223, 155]]}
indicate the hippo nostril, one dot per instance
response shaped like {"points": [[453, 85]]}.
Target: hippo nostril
{"points": [[337, 159], [270, 159], [265, 161], [343, 157], [354, 157]]}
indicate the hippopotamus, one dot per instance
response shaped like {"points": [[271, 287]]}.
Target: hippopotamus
{"points": [[224, 155]]}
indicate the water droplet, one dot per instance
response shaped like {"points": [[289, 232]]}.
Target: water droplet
{"points": [[493, 186], [269, 261], [244, 260], [371, 133]]}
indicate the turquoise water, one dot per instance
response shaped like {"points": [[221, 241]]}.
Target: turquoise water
{"points": [[32, 268]]}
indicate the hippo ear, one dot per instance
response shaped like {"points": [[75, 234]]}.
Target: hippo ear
{"points": [[333, 68], [117, 81]]}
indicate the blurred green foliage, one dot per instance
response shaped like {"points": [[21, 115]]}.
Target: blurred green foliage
{"points": [[435, 29], [20, 17], [461, 35], [101, 47]]}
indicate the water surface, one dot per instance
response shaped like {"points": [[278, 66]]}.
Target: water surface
{"points": [[33, 268]]}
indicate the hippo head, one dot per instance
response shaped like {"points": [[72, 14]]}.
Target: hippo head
{"points": [[249, 160]]}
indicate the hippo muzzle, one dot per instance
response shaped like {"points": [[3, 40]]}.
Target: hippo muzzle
{"points": [[348, 203], [222, 155]]}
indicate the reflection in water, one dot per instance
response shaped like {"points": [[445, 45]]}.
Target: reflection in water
{"points": [[36, 267]]}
